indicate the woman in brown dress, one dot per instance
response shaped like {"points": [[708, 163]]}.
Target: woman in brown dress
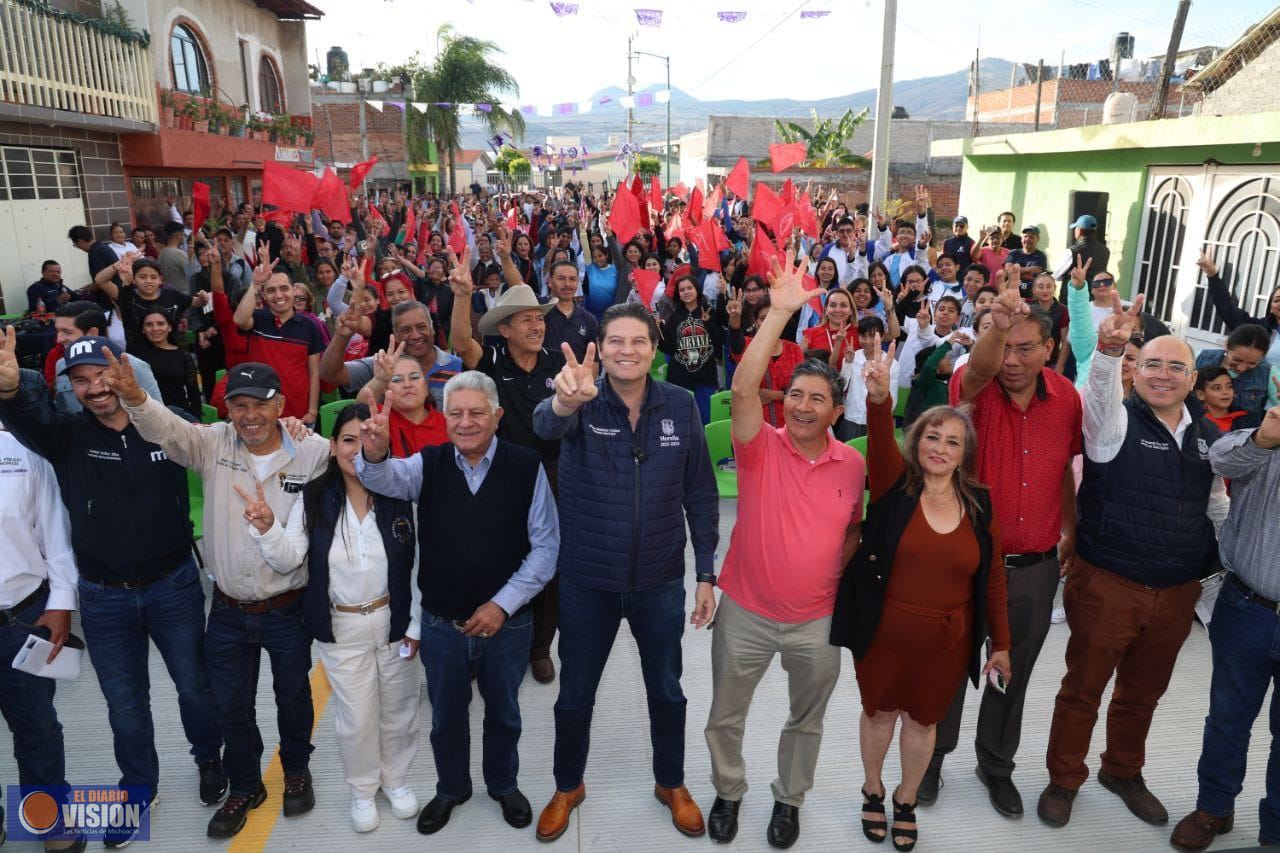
{"points": [[917, 599]]}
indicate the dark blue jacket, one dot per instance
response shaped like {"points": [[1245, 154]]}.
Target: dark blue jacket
{"points": [[1251, 389], [624, 495], [1142, 515], [395, 522]]}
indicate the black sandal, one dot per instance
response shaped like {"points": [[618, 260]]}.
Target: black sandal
{"points": [[874, 804], [904, 814]]}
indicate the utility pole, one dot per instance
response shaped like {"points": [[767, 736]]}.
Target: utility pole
{"points": [[666, 59], [884, 111], [631, 87], [1039, 88], [1171, 56]]}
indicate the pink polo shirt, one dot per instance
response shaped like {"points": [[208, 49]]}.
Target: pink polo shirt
{"points": [[784, 555]]}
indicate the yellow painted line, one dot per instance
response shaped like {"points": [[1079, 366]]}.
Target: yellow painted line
{"points": [[262, 820]]}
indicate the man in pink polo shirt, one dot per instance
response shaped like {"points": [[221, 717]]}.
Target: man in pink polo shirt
{"points": [[799, 521]]}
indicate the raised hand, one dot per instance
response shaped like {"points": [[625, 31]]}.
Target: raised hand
{"points": [[1080, 272], [256, 510], [1009, 305], [375, 434], [876, 373], [120, 379], [1206, 264], [10, 369], [786, 284], [1119, 325], [262, 272], [575, 384], [886, 296], [925, 315], [734, 306], [502, 243], [384, 363], [460, 274], [125, 266]]}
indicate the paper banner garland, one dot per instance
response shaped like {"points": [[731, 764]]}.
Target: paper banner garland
{"points": [[810, 14], [649, 17], [728, 17], [562, 9], [377, 105]]}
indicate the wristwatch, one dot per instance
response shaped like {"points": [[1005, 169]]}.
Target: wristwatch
{"points": [[707, 578]]}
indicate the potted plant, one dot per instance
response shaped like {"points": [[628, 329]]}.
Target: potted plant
{"points": [[309, 138], [258, 127], [235, 125], [167, 104], [216, 118], [192, 111]]}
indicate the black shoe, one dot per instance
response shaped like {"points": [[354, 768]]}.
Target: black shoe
{"points": [[722, 821], [516, 810], [213, 782], [114, 839], [931, 784], [1002, 792], [435, 814], [784, 826], [229, 819], [299, 796]]}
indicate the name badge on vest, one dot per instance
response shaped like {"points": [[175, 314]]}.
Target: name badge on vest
{"points": [[291, 484], [402, 530]]}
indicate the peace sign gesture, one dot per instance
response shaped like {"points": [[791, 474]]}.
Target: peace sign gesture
{"points": [[1080, 272], [576, 382], [1009, 305], [375, 433], [384, 363], [925, 315], [256, 510], [734, 306], [266, 266], [876, 373], [1119, 325]]}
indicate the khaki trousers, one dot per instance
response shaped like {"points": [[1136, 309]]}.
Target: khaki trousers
{"points": [[742, 649], [375, 701]]}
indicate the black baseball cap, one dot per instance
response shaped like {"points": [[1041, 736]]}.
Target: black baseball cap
{"points": [[1031, 229], [89, 350], [253, 379]]}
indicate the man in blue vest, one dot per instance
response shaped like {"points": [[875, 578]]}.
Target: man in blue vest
{"points": [[1143, 542]]}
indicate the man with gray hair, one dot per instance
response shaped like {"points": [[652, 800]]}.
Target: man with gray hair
{"points": [[488, 537]]}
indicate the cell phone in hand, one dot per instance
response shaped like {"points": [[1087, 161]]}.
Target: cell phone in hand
{"points": [[997, 680]]}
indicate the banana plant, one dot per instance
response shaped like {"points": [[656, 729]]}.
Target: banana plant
{"points": [[827, 141]]}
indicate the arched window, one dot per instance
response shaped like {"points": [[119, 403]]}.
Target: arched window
{"points": [[190, 71], [269, 98]]}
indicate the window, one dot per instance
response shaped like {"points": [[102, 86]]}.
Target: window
{"points": [[27, 174], [190, 73], [269, 100]]}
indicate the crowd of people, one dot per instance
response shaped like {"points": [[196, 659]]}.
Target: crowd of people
{"points": [[520, 452]]}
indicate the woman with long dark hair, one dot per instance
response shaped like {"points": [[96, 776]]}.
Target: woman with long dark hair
{"points": [[691, 338], [174, 368], [360, 551], [915, 602]]}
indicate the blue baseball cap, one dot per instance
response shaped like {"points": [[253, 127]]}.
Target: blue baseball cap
{"points": [[89, 350], [1086, 221]]}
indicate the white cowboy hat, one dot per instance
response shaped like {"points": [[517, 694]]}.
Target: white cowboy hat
{"points": [[516, 299]]}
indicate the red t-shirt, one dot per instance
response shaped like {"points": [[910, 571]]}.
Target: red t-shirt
{"points": [[407, 438], [819, 338]]}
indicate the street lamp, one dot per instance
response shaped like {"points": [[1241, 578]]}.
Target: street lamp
{"points": [[667, 60]]}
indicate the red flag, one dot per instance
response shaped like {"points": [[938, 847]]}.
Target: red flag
{"points": [[624, 216], [383, 227], [695, 206], [655, 193], [767, 207], [717, 196], [739, 179], [410, 223], [722, 239], [458, 236], [646, 282], [330, 197], [703, 238], [784, 156], [811, 283], [681, 191], [424, 235], [513, 219], [290, 189], [282, 218], [805, 216], [637, 187], [682, 270], [762, 249], [200, 205], [788, 194], [359, 171]]}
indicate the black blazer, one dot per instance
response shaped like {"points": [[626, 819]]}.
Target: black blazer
{"points": [[860, 597]]}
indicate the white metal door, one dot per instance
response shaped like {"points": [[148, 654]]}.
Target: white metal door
{"points": [[1231, 211], [39, 201]]}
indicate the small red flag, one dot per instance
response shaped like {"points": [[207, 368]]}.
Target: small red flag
{"points": [[695, 206], [681, 191], [767, 207], [784, 156], [788, 193], [805, 216], [722, 239], [739, 178], [646, 282], [717, 196], [360, 171], [762, 249], [290, 189], [624, 216], [811, 283], [281, 217], [458, 236], [703, 238], [410, 223], [513, 219], [655, 193], [330, 197], [383, 228], [200, 205]]}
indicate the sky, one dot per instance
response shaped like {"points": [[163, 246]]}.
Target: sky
{"points": [[558, 59]]}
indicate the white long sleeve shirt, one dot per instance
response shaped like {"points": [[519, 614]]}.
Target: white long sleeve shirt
{"points": [[1105, 421], [855, 395], [35, 532]]}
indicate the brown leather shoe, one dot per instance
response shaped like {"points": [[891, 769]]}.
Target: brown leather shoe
{"points": [[685, 814], [1137, 798], [1054, 807], [544, 671], [1197, 830], [554, 819]]}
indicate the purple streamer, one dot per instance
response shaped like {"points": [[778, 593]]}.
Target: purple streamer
{"points": [[816, 13], [528, 109], [649, 17], [400, 104], [565, 109], [484, 108], [606, 99], [562, 9], [731, 17], [644, 99]]}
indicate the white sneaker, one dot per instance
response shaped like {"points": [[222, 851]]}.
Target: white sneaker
{"points": [[364, 815], [404, 803], [1059, 615]]}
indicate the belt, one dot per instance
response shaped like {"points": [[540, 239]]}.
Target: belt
{"points": [[131, 583], [10, 615], [1021, 561], [366, 608], [1273, 606], [266, 605]]}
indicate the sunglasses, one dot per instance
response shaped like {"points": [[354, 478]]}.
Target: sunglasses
{"points": [[1102, 282]]}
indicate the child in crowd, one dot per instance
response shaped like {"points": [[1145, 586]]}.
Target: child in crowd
{"points": [[1216, 393]]}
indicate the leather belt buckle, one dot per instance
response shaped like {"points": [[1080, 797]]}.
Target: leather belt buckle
{"points": [[366, 608]]}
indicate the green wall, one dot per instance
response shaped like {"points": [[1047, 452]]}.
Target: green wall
{"points": [[1037, 188]]}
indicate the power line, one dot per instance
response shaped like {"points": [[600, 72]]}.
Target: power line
{"points": [[740, 54]]}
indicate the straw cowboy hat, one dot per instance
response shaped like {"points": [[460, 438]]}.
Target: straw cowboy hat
{"points": [[516, 299]]}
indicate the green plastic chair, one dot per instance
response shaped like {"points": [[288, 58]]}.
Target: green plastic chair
{"points": [[195, 493], [329, 415], [720, 403], [859, 444], [217, 377], [720, 448], [900, 410], [658, 369], [208, 414]]}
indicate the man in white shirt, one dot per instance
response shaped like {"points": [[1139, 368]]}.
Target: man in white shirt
{"points": [[854, 423], [846, 252], [37, 590], [946, 283]]}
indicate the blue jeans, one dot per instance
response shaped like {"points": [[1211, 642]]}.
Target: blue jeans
{"points": [[589, 621], [499, 663], [233, 646], [117, 625], [1246, 661], [26, 701]]}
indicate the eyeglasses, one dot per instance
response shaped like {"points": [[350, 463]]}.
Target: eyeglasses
{"points": [[1023, 351], [1102, 282], [400, 378], [1152, 367]]}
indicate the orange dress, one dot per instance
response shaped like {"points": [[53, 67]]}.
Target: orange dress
{"points": [[920, 653]]}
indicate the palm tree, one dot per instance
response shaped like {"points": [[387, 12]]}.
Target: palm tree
{"points": [[827, 142], [463, 73]]}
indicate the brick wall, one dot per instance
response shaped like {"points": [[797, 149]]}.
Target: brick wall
{"points": [[1251, 90], [101, 175], [1072, 103], [337, 130]]}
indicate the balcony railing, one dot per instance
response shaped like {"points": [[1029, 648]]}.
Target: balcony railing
{"points": [[51, 61]]}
